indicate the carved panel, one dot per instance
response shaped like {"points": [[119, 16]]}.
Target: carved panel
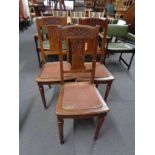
{"points": [[53, 38], [78, 32], [55, 21], [78, 47], [42, 21], [93, 22], [103, 23]]}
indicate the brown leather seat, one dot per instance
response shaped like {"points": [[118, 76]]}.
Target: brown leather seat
{"points": [[51, 72], [101, 72], [80, 98]]}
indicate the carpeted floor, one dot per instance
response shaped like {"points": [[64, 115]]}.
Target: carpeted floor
{"points": [[38, 127]]}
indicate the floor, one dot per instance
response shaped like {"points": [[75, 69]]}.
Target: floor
{"points": [[38, 127]]}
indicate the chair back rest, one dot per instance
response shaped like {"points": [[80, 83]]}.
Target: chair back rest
{"points": [[77, 36], [41, 23], [103, 24], [115, 30]]}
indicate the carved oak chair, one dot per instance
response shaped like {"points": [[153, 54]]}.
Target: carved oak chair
{"points": [[43, 46], [50, 71], [102, 75], [79, 99], [124, 42]]}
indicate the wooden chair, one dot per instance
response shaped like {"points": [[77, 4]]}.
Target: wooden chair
{"points": [[124, 42], [50, 72], [42, 42], [102, 75], [79, 99]]}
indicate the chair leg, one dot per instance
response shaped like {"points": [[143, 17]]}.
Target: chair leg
{"points": [[131, 60], [49, 86], [120, 56], [127, 64], [99, 125], [101, 58], [37, 50], [22, 26], [60, 123], [96, 85], [108, 87], [38, 55], [104, 57], [41, 89], [67, 56]]}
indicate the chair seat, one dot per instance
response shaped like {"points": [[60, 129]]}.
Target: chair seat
{"points": [[101, 72], [80, 98], [51, 72], [120, 46], [46, 45]]}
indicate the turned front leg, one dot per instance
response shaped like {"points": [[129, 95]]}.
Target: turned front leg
{"points": [[108, 87], [60, 122], [41, 89], [99, 125]]}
